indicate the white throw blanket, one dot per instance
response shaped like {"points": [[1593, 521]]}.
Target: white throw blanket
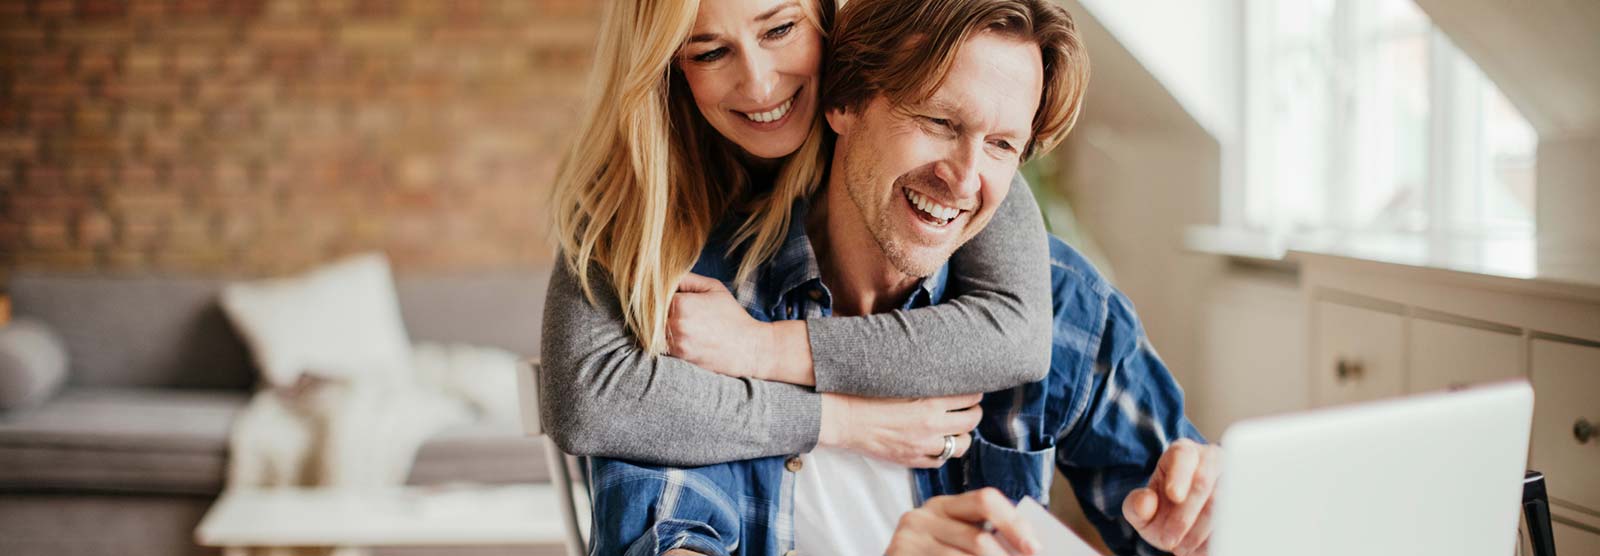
{"points": [[364, 432]]}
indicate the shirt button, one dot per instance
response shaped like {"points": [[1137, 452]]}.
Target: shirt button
{"points": [[793, 464], [816, 295]]}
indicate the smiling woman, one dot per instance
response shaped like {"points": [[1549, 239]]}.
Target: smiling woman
{"points": [[755, 79]]}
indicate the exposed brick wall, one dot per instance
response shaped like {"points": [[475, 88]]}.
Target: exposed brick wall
{"points": [[262, 136]]}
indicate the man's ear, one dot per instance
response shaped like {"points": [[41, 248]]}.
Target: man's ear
{"points": [[840, 119]]}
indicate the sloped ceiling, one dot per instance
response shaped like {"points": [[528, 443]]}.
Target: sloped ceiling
{"points": [[1122, 93], [1544, 55]]}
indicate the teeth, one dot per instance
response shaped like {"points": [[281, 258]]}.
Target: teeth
{"points": [[931, 208], [772, 115]]}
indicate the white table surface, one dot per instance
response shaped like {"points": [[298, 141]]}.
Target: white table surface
{"points": [[405, 516]]}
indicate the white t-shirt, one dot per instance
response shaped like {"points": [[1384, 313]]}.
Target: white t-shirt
{"points": [[848, 503]]}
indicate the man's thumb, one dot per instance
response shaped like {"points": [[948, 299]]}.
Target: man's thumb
{"points": [[1140, 507]]}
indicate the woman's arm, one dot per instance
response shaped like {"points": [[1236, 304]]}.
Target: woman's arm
{"points": [[992, 333], [601, 395]]}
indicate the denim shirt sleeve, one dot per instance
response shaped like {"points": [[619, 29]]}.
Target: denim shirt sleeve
{"points": [[1132, 410], [646, 510]]}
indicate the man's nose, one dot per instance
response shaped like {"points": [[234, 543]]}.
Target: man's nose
{"points": [[960, 170], [760, 76]]}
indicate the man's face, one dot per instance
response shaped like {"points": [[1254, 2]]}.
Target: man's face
{"points": [[927, 177]]}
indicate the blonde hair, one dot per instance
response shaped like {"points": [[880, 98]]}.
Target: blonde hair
{"points": [[648, 178]]}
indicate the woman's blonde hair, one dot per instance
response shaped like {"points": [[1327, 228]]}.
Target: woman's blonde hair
{"points": [[648, 178]]}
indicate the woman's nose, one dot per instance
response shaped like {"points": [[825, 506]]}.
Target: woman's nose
{"points": [[760, 76]]}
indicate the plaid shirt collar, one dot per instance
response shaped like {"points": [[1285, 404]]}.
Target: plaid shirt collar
{"points": [[793, 271]]}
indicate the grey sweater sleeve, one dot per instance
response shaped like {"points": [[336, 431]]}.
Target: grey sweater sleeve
{"points": [[600, 394], [992, 332]]}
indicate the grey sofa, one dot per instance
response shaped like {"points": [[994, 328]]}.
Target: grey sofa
{"points": [[127, 457]]}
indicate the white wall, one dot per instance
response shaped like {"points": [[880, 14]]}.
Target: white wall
{"points": [[1195, 50], [1140, 169]]}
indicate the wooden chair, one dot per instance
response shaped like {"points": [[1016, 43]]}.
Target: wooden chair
{"points": [[572, 492]]}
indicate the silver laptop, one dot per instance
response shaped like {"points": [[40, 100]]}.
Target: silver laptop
{"points": [[1433, 474]]}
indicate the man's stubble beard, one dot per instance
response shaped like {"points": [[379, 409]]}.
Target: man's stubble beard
{"points": [[860, 184]]}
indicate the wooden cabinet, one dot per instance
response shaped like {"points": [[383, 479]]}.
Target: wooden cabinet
{"points": [[1572, 540], [1359, 354], [1566, 421], [1390, 330], [1446, 355]]}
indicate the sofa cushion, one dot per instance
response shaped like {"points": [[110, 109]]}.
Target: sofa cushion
{"points": [[340, 320], [120, 440], [33, 364], [175, 441]]}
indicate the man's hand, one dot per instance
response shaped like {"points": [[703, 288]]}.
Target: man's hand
{"points": [[954, 525], [907, 432], [1173, 512]]}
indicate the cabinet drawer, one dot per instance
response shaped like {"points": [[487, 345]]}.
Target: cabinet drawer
{"points": [[1572, 540], [1446, 355], [1359, 354], [1566, 383]]}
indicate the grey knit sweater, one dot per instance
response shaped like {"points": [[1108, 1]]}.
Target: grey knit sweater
{"points": [[601, 395]]}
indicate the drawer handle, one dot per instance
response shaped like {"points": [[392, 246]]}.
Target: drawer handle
{"points": [[1346, 369], [1584, 431]]}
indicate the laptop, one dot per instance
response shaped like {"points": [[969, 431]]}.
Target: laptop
{"points": [[1432, 474]]}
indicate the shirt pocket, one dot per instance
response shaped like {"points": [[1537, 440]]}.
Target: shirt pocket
{"points": [[1015, 473]]}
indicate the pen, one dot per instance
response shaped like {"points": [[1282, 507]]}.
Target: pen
{"points": [[988, 527]]}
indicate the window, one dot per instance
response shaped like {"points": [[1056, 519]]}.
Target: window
{"points": [[1362, 119]]}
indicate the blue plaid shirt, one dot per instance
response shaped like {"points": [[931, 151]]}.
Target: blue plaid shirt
{"points": [[1103, 416]]}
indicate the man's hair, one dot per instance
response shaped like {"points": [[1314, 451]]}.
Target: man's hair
{"points": [[903, 50]]}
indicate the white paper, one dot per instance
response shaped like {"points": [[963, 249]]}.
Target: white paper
{"points": [[1055, 538]]}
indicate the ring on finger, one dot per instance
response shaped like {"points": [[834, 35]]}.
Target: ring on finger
{"points": [[949, 448]]}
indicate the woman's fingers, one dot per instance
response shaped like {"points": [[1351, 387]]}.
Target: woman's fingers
{"points": [[930, 457], [951, 422], [695, 283], [957, 402]]}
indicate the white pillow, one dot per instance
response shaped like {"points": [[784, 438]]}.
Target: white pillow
{"points": [[339, 321]]}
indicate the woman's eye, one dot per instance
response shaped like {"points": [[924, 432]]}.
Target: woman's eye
{"points": [[710, 56], [780, 31], [938, 122], [1004, 145]]}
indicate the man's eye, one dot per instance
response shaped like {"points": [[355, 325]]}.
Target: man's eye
{"points": [[711, 56], [780, 31], [1004, 145], [940, 122]]}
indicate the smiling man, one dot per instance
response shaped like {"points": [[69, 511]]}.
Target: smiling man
{"points": [[935, 105]]}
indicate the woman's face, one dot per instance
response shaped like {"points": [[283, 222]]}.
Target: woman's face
{"points": [[752, 66]]}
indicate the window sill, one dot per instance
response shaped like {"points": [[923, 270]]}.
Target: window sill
{"points": [[1499, 257]]}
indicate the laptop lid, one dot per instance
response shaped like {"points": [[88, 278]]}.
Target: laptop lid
{"points": [[1433, 474]]}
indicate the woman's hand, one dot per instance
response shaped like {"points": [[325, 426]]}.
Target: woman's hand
{"points": [[955, 525], [907, 432], [706, 326]]}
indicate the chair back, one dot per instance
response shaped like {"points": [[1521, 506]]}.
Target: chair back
{"points": [[571, 492]]}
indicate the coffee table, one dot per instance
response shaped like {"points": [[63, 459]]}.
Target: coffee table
{"points": [[454, 515]]}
